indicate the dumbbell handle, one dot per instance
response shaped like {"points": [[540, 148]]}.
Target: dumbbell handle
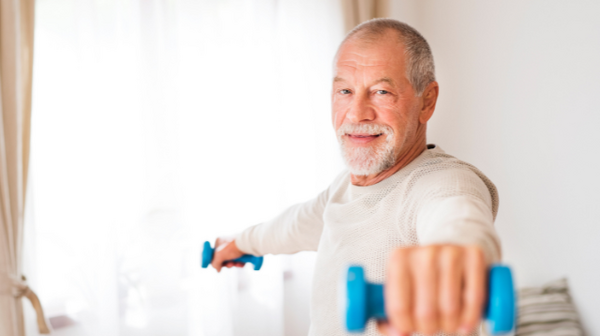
{"points": [[208, 253], [366, 300]]}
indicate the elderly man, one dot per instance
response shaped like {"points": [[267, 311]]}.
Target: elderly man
{"points": [[415, 217]]}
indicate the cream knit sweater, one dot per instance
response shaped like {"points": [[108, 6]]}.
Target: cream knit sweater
{"points": [[434, 199]]}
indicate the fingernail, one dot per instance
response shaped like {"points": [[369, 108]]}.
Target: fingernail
{"points": [[464, 330], [395, 332]]}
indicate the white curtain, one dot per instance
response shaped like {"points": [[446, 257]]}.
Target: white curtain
{"points": [[358, 11], [16, 51], [158, 125]]}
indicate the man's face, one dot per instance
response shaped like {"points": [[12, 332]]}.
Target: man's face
{"points": [[375, 108]]}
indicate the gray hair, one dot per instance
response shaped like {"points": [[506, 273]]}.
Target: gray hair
{"points": [[420, 69]]}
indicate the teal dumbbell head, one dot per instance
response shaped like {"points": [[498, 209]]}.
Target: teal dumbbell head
{"points": [[208, 252], [365, 300], [500, 311]]}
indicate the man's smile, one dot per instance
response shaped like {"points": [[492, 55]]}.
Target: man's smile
{"points": [[363, 138]]}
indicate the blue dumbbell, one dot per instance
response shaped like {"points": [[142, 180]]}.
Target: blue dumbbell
{"points": [[208, 252], [365, 300]]}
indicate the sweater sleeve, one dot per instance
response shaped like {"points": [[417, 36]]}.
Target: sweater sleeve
{"points": [[459, 211], [296, 229]]}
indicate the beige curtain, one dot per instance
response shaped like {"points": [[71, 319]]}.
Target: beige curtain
{"points": [[358, 11], [16, 52]]}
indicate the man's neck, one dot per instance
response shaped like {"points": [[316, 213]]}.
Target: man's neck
{"points": [[403, 160]]}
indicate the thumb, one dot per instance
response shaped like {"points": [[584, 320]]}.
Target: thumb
{"points": [[223, 252], [217, 261]]}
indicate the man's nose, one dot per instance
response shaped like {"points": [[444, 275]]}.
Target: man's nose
{"points": [[360, 110]]}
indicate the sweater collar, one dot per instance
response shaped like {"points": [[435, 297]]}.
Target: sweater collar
{"points": [[397, 176]]}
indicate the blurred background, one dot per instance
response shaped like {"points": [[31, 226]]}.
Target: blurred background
{"points": [[159, 124]]}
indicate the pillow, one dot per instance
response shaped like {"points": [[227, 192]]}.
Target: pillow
{"points": [[547, 311]]}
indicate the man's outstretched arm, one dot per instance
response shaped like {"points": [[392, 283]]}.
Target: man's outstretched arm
{"points": [[440, 284], [296, 229]]}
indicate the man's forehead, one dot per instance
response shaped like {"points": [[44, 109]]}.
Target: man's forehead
{"points": [[368, 58], [373, 54], [382, 68], [389, 80], [372, 41]]}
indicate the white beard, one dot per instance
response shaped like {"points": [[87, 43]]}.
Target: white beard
{"points": [[367, 160]]}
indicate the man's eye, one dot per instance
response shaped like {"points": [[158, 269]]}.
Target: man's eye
{"points": [[345, 91], [382, 92]]}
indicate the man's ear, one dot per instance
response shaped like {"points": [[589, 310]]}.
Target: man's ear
{"points": [[428, 99]]}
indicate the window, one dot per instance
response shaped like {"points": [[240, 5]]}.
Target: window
{"points": [[158, 125]]}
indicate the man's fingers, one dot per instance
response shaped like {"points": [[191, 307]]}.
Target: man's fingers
{"points": [[474, 289], [435, 288], [398, 293], [225, 252], [424, 266], [230, 264], [385, 328], [217, 261], [450, 283], [219, 256]]}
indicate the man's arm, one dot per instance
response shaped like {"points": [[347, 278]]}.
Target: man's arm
{"points": [[461, 220], [296, 229], [458, 213], [440, 285]]}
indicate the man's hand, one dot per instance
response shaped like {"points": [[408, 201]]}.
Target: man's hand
{"points": [[225, 249], [434, 288]]}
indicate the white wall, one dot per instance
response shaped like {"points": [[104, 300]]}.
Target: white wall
{"points": [[520, 99]]}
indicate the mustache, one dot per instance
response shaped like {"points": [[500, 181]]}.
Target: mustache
{"points": [[371, 129]]}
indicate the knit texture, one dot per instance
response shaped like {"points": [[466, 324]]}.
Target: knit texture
{"points": [[433, 200]]}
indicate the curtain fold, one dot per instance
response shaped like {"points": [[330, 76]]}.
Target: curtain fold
{"points": [[358, 11], [16, 51]]}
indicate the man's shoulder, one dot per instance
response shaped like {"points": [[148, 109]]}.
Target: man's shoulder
{"points": [[442, 174], [436, 162]]}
